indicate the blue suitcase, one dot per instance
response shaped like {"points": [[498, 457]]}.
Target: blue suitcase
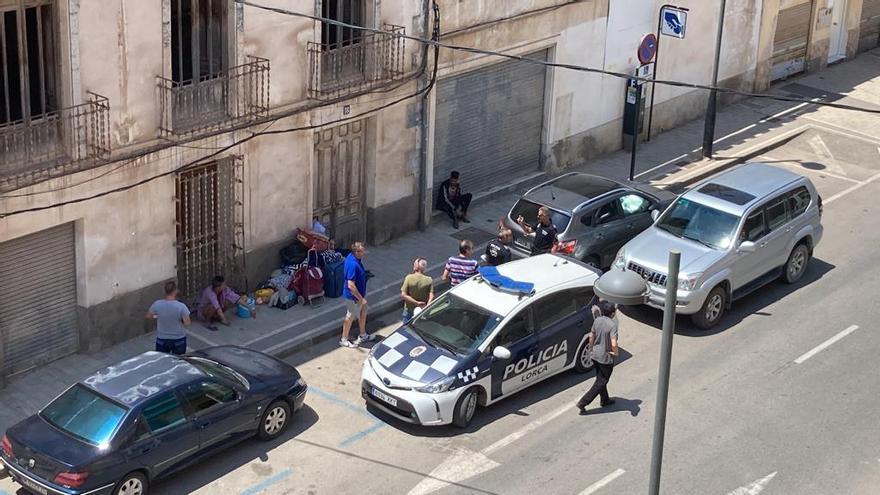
{"points": [[334, 278]]}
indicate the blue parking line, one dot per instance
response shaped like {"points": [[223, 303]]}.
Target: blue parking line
{"points": [[361, 434], [339, 401], [266, 483]]}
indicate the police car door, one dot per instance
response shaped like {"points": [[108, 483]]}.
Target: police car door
{"points": [[519, 338], [562, 320]]}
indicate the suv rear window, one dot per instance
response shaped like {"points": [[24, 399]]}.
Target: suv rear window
{"points": [[529, 212], [729, 194]]}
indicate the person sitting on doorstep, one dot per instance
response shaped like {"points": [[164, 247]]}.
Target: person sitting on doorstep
{"points": [[215, 300], [451, 200]]}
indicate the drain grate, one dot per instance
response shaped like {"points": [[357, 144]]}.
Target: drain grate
{"points": [[473, 234]]}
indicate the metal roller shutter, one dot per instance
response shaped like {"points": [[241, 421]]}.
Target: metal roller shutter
{"points": [[791, 39], [488, 124], [38, 299], [869, 29]]}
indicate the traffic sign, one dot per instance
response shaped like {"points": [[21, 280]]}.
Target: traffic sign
{"points": [[647, 48], [673, 21]]}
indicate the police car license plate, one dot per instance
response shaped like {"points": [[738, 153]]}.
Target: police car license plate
{"points": [[381, 395], [33, 486]]}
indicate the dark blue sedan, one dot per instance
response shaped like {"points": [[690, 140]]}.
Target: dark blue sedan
{"points": [[146, 417]]}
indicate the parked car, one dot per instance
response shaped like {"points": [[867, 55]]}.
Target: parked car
{"points": [[139, 420], [736, 232], [594, 216], [498, 333]]}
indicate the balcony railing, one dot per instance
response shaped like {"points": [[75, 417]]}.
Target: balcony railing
{"points": [[58, 143], [355, 66], [227, 98]]}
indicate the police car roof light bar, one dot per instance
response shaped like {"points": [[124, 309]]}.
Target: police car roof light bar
{"points": [[490, 274]]}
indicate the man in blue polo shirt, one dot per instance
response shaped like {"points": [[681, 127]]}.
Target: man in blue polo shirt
{"points": [[354, 293]]}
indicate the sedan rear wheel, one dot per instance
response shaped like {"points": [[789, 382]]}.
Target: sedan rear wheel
{"points": [[132, 484], [274, 420]]}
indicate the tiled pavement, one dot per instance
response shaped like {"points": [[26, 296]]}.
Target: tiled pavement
{"points": [[671, 160]]}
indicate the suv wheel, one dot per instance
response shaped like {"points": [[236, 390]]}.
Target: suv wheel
{"points": [[712, 310], [796, 264]]}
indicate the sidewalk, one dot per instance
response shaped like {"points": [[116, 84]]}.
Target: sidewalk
{"points": [[671, 160]]}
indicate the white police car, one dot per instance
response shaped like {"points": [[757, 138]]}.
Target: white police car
{"points": [[486, 339]]}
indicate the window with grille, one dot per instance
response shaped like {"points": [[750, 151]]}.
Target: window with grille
{"points": [[198, 39], [27, 52], [347, 11]]}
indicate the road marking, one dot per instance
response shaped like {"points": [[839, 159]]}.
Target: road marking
{"points": [[509, 439], [824, 345], [679, 157], [768, 158], [851, 189], [820, 148], [604, 481], [203, 339], [267, 483], [755, 487], [378, 425], [464, 464], [461, 465]]}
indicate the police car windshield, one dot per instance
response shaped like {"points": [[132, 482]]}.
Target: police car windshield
{"points": [[455, 324]]}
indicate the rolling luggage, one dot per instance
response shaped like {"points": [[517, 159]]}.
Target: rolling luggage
{"points": [[334, 278], [308, 282]]}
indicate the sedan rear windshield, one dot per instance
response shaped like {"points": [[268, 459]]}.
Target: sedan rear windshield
{"points": [[84, 414], [529, 212]]}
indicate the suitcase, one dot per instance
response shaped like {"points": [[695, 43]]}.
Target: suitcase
{"points": [[308, 283], [313, 240], [334, 278]]}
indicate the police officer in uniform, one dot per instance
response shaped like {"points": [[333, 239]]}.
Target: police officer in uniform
{"points": [[545, 232], [498, 250]]}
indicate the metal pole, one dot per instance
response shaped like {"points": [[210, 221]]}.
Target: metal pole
{"points": [[665, 365], [709, 129], [636, 116], [654, 75]]}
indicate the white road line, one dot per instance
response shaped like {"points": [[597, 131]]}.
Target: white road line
{"points": [[509, 439], [203, 339], [679, 157], [824, 345], [768, 158], [755, 487], [851, 189], [604, 481]]}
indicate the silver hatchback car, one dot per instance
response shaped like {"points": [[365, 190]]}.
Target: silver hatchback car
{"points": [[736, 232]]}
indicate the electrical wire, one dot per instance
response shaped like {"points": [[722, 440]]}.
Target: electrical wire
{"points": [[239, 142], [574, 67]]}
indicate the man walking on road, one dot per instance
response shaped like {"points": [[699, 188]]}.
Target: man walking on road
{"points": [[171, 317], [462, 267], [603, 348], [354, 293], [417, 290]]}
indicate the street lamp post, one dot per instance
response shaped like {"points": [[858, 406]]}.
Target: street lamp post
{"points": [[627, 288], [709, 129]]}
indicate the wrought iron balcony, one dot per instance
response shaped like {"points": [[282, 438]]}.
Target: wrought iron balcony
{"points": [[227, 98], [355, 66], [57, 143]]}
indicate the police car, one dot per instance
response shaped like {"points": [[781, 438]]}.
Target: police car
{"points": [[500, 332]]}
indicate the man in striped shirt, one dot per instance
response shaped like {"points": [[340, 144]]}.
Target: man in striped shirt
{"points": [[462, 267]]}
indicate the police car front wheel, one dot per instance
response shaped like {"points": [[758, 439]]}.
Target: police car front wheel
{"points": [[465, 408], [584, 361]]}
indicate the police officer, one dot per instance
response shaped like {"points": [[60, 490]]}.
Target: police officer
{"points": [[498, 252], [545, 232], [603, 348]]}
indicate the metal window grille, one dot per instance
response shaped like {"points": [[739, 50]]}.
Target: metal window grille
{"points": [[210, 226]]}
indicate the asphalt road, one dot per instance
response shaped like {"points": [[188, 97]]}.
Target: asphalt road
{"points": [[751, 408]]}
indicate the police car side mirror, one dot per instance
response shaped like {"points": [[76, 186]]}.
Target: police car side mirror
{"points": [[655, 214], [501, 352]]}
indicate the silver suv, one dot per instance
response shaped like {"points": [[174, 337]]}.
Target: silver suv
{"points": [[736, 232]]}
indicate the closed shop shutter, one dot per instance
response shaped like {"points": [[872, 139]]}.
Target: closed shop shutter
{"points": [[791, 39], [38, 299], [869, 28], [488, 124]]}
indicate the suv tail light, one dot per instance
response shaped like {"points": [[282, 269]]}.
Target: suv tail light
{"points": [[7, 447], [566, 247], [71, 480]]}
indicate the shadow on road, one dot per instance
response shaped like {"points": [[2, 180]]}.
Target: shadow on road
{"points": [[633, 406], [752, 304]]}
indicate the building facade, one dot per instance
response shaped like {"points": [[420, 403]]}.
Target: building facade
{"points": [[176, 139]]}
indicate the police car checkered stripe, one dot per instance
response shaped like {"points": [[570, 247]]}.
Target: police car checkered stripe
{"points": [[468, 375]]}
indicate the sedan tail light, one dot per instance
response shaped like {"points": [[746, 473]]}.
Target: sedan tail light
{"points": [[566, 247], [7, 447], [71, 480]]}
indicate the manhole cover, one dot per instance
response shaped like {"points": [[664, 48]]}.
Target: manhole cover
{"points": [[473, 234]]}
